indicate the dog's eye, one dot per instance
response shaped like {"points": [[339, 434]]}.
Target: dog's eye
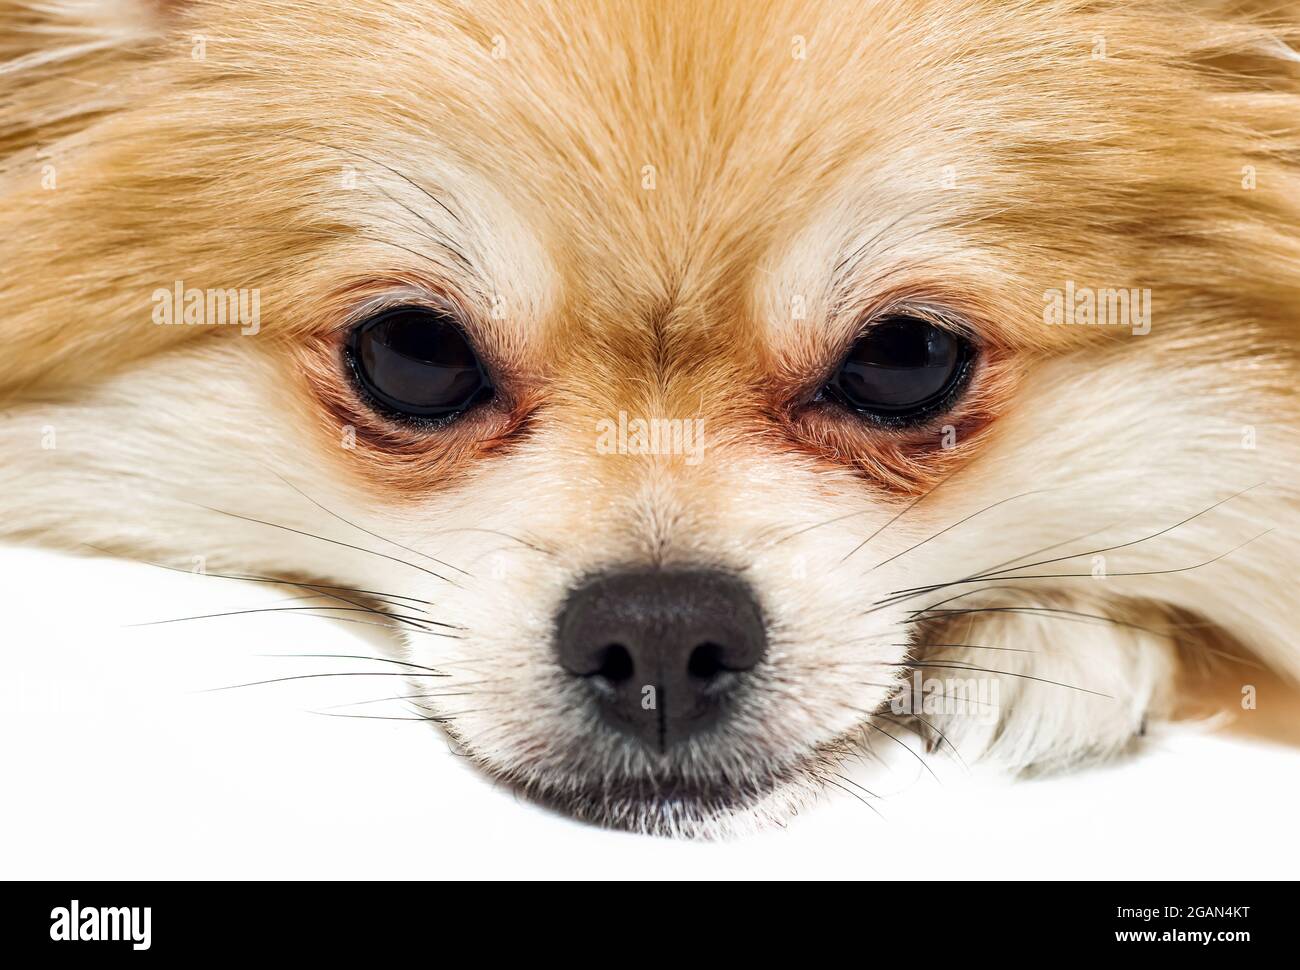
{"points": [[901, 370], [417, 361]]}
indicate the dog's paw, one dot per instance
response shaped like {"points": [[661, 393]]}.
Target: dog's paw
{"points": [[1037, 685]]}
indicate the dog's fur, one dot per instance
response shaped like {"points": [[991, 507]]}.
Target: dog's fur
{"points": [[681, 209]]}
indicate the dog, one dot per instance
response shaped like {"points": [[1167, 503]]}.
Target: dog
{"points": [[702, 393]]}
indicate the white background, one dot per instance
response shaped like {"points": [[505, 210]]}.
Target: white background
{"points": [[114, 764]]}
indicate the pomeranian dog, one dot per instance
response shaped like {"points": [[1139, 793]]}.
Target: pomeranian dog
{"points": [[702, 391]]}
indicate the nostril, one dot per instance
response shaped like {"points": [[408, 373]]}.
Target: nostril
{"points": [[706, 661], [615, 663]]}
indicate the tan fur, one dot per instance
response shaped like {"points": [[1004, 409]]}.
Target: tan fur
{"points": [[957, 159]]}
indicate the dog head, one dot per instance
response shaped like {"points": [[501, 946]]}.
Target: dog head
{"points": [[670, 377]]}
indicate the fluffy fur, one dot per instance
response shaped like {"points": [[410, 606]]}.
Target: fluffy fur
{"points": [[681, 210]]}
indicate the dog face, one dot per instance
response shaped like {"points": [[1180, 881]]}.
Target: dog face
{"points": [[678, 381]]}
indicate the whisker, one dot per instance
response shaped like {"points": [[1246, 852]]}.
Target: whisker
{"points": [[349, 673], [1036, 610], [504, 535], [959, 522], [828, 781], [407, 697], [942, 737], [442, 719], [859, 787], [392, 171], [989, 574], [253, 578], [880, 233], [1048, 611], [893, 600], [966, 646], [361, 528], [336, 542], [423, 623], [1134, 542], [246, 230], [427, 229], [911, 505], [970, 592], [1078, 616], [285, 609], [1110, 575], [352, 656], [920, 760], [849, 515], [1056, 545], [408, 630], [420, 625], [904, 685], [953, 665]]}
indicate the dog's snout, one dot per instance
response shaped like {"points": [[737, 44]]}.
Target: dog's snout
{"points": [[663, 650]]}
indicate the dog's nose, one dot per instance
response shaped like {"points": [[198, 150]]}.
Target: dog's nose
{"points": [[663, 650]]}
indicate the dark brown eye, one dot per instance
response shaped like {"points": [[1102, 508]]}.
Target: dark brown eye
{"points": [[417, 362], [902, 370]]}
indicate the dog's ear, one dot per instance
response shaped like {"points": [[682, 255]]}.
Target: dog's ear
{"points": [[120, 177], [64, 69], [44, 45]]}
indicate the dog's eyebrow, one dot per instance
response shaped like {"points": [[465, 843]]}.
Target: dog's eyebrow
{"points": [[435, 233], [387, 168]]}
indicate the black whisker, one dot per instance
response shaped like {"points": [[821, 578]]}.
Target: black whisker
{"points": [[408, 697], [959, 522], [504, 535], [942, 737], [969, 592], [360, 528], [1055, 545], [1110, 575], [859, 787], [902, 512], [989, 574], [966, 646], [849, 515], [352, 656], [247, 230], [287, 609], [336, 542], [1049, 611], [423, 623], [443, 719], [853, 793], [1133, 542], [1078, 616], [954, 665], [349, 673], [903, 685], [408, 630], [269, 580], [378, 164], [921, 761]]}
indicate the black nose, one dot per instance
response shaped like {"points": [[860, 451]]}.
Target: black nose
{"points": [[662, 650]]}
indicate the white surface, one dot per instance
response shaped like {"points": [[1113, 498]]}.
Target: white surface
{"points": [[115, 766]]}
